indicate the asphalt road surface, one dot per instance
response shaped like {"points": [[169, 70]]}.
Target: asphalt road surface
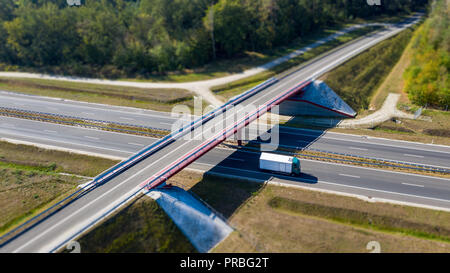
{"points": [[79, 215]]}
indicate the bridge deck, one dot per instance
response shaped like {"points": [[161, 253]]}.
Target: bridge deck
{"points": [[79, 215]]}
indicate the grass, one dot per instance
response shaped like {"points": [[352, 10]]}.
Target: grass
{"points": [[31, 179], [229, 90], [107, 126], [368, 220], [437, 127], [154, 99], [281, 219], [144, 227], [141, 227], [61, 162], [357, 80], [435, 130], [277, 219], [394, 82], [24, 189]]}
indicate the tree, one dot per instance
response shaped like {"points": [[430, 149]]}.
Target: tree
{"points": [[42, 36]]}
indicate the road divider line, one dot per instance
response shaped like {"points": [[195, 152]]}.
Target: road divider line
{"points": [[410, 155], [349, 175], [413, 185], [136, 144], [360, 149]]}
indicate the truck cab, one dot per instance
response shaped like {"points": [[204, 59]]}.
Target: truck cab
{"points": [[296, 166]]}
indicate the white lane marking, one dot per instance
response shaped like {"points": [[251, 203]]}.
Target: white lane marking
{"points": [[96, 138], [96, 199], [135, 144], [414, 185], [336, 184], [50, 131], [356, 148], [104, 194], [87, 113], [118, 185], [72, 127], [237, 159], [391, 145], [348, 175], [52, 108], [165, 123], [127, 118], [359, 167], [410, 155]]}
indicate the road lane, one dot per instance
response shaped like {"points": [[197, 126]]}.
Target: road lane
{"points": [[103, 200]]}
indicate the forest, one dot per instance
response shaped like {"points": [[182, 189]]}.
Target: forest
{"points": [[141, 37], [427, 80]]}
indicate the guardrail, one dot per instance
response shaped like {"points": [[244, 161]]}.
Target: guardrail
{"points": [[162, 176], [415, 165], [109, 174], [117, 169], [80, 118], [402, 165], [73, 123]]}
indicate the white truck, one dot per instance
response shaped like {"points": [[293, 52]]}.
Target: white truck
{"points": [[279, 164]]}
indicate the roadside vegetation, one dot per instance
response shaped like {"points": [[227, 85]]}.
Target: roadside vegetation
{"points": [[281, 219], [142, 227], [416, 78], [57, 161], [436, 128], [24, 190], [82, 122], [229, 90], [357, 80], [427, 79], [31, 179], [148, 38], [277, 219], [154, 99]]}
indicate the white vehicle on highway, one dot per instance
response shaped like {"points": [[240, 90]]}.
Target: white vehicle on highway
{"points": [[277, 163]]}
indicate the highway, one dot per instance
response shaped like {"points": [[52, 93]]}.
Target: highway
{"points": [[433, 155], [328, 176], [96, 204]]}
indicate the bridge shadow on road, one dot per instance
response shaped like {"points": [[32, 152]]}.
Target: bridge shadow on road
{"points": [[233, 181]]}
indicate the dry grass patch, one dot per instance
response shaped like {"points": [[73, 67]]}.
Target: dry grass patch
{"points": [[31, 179], [274, 230], [142, 227], [23, 191], [58, 161], [155, 99], [394, 83]]}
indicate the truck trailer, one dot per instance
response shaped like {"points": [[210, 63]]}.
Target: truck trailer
{"points": [[277, 163]]}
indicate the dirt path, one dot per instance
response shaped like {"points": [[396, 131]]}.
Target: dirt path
{"points": [[388, 110]]}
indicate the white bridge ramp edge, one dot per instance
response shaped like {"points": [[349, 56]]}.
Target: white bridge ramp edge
{"points": [[199, 224]]}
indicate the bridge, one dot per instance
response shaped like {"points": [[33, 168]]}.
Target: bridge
{"points": [[154, 165]]}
